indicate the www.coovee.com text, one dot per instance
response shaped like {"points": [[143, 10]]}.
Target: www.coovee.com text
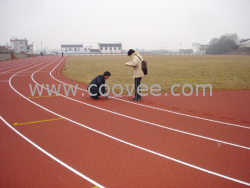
{"points": [[153, 88]]}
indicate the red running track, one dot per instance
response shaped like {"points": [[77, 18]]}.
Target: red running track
{"points": [[73, 141]]}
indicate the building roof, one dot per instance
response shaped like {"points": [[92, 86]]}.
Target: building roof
{"points": [[71, 45], [110, 44], [12, 40], [244, 40]]}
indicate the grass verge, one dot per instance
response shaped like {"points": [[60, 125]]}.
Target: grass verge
{"points": [[222, 72]]}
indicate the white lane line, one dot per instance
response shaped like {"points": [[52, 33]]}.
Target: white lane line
{"points": [[133, 145], [54, 158], [51, 156], [186, 115], [11, 63], [17, 68], [33, 62], [22, 75], [13, 66], [119, 96], [155, 108], [150, 123], [18, 64], [9, 72]]}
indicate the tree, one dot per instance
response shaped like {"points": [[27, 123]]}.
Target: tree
{"points": [[214, 41], [225, 44]]}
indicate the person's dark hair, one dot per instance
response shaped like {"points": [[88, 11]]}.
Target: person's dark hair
{"points": [[130, 52], [107, 73]]}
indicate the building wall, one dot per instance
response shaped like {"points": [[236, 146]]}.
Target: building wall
{"points": [[29, 49], [200, 48], [21, 46], [72, 49], [245, 44], [115, 50], [18, 46], [77, 49]]}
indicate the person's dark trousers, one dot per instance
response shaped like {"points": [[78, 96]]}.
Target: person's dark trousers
{"points": [[95, 90], [137, 83]]}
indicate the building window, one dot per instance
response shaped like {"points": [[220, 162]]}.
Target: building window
{"points": [[119, 48], [21, 42], [110, 48], [114, 48], [69, 48], [101, 48], [106, 48]]}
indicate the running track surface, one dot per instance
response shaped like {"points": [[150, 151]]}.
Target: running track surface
{"points": [[73, 141]]}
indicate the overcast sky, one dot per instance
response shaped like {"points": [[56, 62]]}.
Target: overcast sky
{"points": [[148, 24]]}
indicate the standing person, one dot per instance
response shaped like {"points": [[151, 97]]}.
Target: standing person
{"points": [[62, 54], [137, 71], [98, 81]]}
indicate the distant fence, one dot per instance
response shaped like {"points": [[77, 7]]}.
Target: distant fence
{"points": [[5, 56], [10, 55], [6, 52], [99, 54]]}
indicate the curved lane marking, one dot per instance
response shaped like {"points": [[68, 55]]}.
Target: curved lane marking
{"points": [[196, 117], [176, 130], [133, 145], [42, 150], [51, 156]]}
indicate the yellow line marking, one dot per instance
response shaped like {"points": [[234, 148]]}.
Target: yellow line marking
{"points": [[95, 187], [45, 96], [37, 121]]}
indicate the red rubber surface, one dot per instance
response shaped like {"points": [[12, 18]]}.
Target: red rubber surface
{"points": [[207, 132]]}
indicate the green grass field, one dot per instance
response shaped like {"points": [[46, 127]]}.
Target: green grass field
{"points": [[222, 72]]}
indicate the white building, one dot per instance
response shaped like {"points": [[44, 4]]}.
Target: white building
{"points": [[200, 48], [21, 45], [113, 48], [75, 48], [244, 43]]}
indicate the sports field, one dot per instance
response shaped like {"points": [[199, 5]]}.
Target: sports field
{"points": [[71, 140], [222, 72]]}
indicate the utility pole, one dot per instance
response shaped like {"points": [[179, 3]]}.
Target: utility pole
{"points": [[33, 47]]}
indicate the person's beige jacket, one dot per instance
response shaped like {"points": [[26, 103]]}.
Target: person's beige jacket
{"points": [[136, 64]]}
